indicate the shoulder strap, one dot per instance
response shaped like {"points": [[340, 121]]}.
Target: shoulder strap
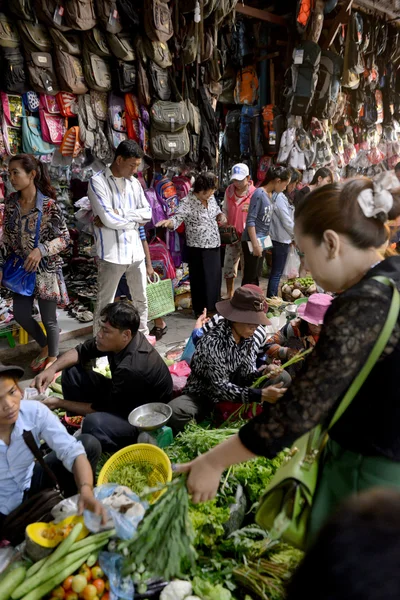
{"points": [[376, 352], [30, 442], [39, 221]]}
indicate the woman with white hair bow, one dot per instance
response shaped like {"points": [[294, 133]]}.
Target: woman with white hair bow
{"points": [[340, 228]]}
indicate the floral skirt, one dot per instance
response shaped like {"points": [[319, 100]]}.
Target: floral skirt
{"points": [[51, 286]]}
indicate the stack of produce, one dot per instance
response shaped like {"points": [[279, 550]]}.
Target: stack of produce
{"points": [[298, 288]]}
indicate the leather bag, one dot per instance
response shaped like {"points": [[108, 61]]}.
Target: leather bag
{"points": [[286, 506]]}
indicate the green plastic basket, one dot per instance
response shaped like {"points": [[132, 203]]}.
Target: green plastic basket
{"points": [[160, 297]]}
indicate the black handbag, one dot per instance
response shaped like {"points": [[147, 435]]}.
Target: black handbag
{"points": [[35, 509], [228, 235]]}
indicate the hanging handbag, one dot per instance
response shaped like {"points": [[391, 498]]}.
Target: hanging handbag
{"points": [[228, 234], [286, 506], [160, 297], [15, 278], [37, 508]]}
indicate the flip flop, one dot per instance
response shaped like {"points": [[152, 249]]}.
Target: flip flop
{"points": [[158, 332], [38, 364]]}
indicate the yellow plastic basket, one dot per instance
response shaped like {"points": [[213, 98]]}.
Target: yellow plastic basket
{"points": [[140, 454]]}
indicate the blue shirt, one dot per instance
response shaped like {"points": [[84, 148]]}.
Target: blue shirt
{"points": [[259, 216], [17, 461]]}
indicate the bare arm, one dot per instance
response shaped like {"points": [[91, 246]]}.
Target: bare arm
{"points": [[44, 379], [83, 476], [254, 240]]}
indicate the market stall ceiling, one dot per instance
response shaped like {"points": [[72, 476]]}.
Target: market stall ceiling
{"points": [[389, 8]]}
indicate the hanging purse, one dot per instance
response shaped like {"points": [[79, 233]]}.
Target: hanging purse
{"points": [[228, 234], [15, 278], [286, 506], [37, 508]]}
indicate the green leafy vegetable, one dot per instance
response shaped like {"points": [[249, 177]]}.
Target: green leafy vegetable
{"points": [[207, 591], [135, 476]]}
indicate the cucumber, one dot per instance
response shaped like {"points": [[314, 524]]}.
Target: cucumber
{"points": [[11, 581], [39, 592]]}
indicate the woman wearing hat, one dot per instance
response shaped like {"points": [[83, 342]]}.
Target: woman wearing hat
{"points": [[223, 366], [301, 333], [235, 208]]}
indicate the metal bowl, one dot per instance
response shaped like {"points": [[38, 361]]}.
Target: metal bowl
{"points": [[291, 311], [145, 417]]}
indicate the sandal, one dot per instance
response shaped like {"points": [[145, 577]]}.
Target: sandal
{"points": [[38, 364], [158, 332], [84, 316]]}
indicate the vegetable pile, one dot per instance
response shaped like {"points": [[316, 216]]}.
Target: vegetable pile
{"points": [[135, 476], [298, 288]]}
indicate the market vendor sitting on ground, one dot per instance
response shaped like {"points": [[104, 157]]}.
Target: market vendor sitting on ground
{"points": [[224, 362], [301, 333], [139, 376], [72, 460]]}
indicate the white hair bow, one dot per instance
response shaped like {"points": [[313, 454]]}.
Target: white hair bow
{"points": [[379, 199]]}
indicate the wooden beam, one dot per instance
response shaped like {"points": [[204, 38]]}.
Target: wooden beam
{"points": [[341, 18], [263, 15]]}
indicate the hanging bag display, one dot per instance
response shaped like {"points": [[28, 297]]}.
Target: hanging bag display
{"points": [[15, 278], [160, 297], [286, 506], [70, 72], [51, 122]]}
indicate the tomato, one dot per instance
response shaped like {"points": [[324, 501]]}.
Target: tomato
{"points": [[106, 596], [89, 592], [84, 570], [67, 583], [79, 582], [71, 595], [58, 593], [99, 585], [97, 572]]}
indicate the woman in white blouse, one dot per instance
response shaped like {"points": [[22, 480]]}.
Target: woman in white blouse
{"points": [[201, 214]]}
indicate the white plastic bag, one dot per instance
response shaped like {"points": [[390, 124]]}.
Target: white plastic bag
{"points": [[292, 266]]}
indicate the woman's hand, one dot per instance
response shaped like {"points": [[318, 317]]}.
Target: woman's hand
{"points": [[202, 320], [88, 501], [203, 479], [272, 393], [221, 219], [32, 261], [167, 223], [150, 270], [257, 250]]}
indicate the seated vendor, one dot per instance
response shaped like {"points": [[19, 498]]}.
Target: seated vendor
{"points": [[72, 460], [301, 333], [223, 366], [139, 376]]}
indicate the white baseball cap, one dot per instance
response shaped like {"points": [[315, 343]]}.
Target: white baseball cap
{"points": [[240, 171]]}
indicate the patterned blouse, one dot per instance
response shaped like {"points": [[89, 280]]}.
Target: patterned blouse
{"points": [[19, 238], [370, 425], [200, 222]]}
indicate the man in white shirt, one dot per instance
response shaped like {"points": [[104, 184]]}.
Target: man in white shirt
{"points": [[120, 207]]}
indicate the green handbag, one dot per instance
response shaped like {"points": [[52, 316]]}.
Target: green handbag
{"points": [[160, 297], [285, 508]]}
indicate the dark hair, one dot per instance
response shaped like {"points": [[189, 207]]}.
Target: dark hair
{"points": [[397, 167], [295, 176], [357, 554], [276, 173], [322, 172], [122, 315], [335, 207], [205, 181], [42, 181], [129, 149]]}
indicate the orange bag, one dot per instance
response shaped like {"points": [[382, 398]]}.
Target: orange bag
{"points": [[132, 116], [71, 145], [246, 90]]}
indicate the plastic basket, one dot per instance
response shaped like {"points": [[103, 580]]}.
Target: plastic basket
{"points": [[160, 297], [140, 454]]}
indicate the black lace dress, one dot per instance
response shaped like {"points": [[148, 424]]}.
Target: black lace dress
{"points": [[371, 425]]}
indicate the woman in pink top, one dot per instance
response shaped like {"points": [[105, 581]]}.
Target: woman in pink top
{"points": [[235, 208]]}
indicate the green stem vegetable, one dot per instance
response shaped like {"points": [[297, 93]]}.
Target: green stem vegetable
{"points": [[55, 579], [11, 581], [297, 358], [64, 547]]}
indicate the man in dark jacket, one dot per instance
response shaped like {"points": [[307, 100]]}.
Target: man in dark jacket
{"points": [[138, 376]]}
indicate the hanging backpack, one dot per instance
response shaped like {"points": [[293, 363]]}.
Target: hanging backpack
{"points": [[161, 259], [80, 14], [231, 139], [108, 15], [270, 119], [355, 31], [96, 42], [209, 130], [159, 81], [158, 210], [246, 140], [116, 120], [303, 15], [158, 20], [169, 116], [183, 185], [167, 194], [67, 41], [286, 145], [68, 104], [168, 145], [246, 90], [125, 75], [42, 74], [34, 37], [143, 85], [13, 74], [190, 44], [158, 52], [70, 72], [71, 145], [264, 165], [52, 123], [132, 117], [99, 102], [51, 13], [9, 36], [22, 9], [121, 45], [328, 86], [241, 43], [32, 137], [128, 14], [303, 77], [97, 72], [31, 101]]}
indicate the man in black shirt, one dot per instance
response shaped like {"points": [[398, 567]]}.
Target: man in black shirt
{"points": [[139, 375]]}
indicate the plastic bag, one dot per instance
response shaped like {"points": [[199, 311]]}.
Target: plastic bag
{"points": [[292, 266], [120, 587]]}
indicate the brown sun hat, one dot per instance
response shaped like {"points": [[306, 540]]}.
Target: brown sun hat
{"points": [[248, 305]]}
